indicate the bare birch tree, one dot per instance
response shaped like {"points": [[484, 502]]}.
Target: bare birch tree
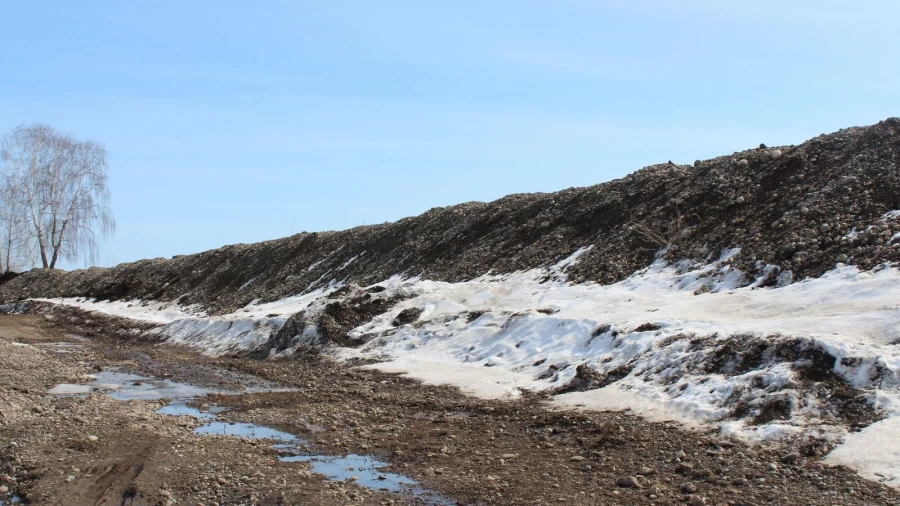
{"points": [[59, 185]]}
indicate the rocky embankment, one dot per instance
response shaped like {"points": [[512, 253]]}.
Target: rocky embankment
{"points": [[798, 208]]}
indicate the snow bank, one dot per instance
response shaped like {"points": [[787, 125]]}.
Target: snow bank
{"points": [[245, 330], [145, 311], [650, 334], [690, 342]]}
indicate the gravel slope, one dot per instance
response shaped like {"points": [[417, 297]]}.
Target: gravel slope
{"points": [[798, 208]]}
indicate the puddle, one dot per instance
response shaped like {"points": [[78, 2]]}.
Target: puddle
{"points": [[363, 470], [247, 430], [12, 500], [129, 387], [179, 408]]}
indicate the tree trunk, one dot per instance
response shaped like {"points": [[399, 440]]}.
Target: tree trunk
{"points": [[58, 244], [9, 252], [44, 261]]}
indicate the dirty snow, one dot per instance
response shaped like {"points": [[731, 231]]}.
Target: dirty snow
{"points": [[533, 335], [145, 311], [874, 452], [247, 329], [648, 338]]}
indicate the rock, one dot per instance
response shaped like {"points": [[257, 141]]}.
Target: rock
{"points": [[576, 458], [696, 500], [775, 154], [92, 438], [646, 471], [165, 493], [655, 490], [702, 473], [743, 162], [683, 468], [740, 200], [4, 490], [790, 458], [628, 482], [762, 146], [688, 488]]}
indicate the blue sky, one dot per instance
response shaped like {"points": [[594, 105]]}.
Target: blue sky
{"points": [[235, 121]]}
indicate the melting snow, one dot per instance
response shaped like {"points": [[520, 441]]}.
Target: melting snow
{"points": [[651, 337], [147, 311]]}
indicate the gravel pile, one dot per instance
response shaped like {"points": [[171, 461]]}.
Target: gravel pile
{"points": [[793, 210]]}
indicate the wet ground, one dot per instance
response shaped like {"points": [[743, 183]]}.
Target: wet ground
{"points": [[107, 420], [181, 400]]}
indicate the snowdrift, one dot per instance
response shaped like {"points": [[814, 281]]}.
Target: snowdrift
{"points": [[810, 362]]}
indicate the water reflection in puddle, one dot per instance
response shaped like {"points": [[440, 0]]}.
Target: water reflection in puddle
{"points": [[129, 387], [362, 469], [179, 408], [12, 500], [247, 430]]}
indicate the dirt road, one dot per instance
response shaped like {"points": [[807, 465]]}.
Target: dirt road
{"points": [[311, 431]]}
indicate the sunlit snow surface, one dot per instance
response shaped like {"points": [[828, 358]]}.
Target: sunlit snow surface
{"points": [[498, 334]]}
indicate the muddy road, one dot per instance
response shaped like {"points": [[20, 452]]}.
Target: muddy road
{"points": [[88, 417]]}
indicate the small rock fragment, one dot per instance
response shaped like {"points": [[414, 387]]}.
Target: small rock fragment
{"points": [[790, 458], [696, 500], [627, 482]]}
